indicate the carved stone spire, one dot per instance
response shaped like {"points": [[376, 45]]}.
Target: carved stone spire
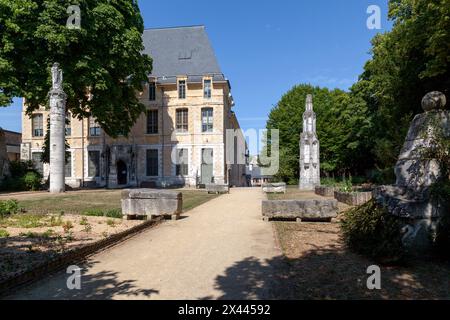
{"points": [[309, 149]]}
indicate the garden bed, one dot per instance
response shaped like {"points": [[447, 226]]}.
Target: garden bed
{"points": [[49, 232]]}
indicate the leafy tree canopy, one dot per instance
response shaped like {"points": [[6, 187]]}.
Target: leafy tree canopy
{"points": [[104, 57]]}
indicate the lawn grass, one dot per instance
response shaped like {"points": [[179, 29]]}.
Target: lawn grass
{"points": [[293, 193], [104, 200]]}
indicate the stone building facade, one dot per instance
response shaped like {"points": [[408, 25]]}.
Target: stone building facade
{"points": [[12, 141], [181, 139]]}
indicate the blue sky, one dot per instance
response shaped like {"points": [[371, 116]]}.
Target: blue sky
{"points": [[266, 47]]}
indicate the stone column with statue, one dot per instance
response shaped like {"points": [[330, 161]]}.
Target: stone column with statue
{"points": [[309, 149], [57, 131]]}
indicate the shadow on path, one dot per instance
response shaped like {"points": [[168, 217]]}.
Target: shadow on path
{"points": [[331, 274]]}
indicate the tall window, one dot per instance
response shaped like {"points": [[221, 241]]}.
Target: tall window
{"points": [[207, 119], [38, 125], [68, 167], [182, 120], [94, 128], [207, 89], [152, 121], [152, 163], [152, 91], [36, 157], [182, 166], [94, 164], [182, 89], [68, 125]]}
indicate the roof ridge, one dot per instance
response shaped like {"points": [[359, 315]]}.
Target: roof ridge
{"points": [[176, 27]]}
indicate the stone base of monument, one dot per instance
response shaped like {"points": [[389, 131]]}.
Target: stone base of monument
{"points": [[325, 191], [274, 187], [151, 203], [217, 188], [418, 214], [300, 210], [353, 198]]}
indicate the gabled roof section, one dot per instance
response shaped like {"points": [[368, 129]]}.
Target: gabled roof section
{"points": [[181, 51]]}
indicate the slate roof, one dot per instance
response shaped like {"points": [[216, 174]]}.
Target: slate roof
{"points": [[181, 51]]}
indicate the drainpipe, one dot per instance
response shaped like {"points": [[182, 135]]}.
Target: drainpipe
{"points": [[162, 132]]}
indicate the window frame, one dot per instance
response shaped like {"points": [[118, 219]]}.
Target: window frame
{"points": [[182, 169], [97, 129], [97, 173], [154, 125], [40, 125], [152, 91], [68, 126], [208, 126], [148, 167], [207, 94], [182, 89], [67, 165], [182, 120]]}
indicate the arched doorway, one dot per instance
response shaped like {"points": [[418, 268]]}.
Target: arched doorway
{"points": [[122, 173]]}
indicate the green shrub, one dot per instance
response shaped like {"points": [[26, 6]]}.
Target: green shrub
{"points": [[93, 213], [372, 231], [18, 169], [8, 208], [346, 186], [4, 233], [114, 213], [22, 177], [32, 181]]}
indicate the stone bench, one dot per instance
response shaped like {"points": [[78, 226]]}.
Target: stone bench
{"points": [[325, 191], [274, 187], [151, 203], [217, 188], [353, 198], [301, 210]]}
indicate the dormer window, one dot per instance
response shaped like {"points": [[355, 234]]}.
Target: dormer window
{"points": [[152, 91], [182, 89], [207, 88]]}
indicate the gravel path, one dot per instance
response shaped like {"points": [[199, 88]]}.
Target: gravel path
{"points": [[219, 250]]}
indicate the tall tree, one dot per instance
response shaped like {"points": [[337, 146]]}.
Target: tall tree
{"points": [[407, 62], [102, 61]]}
